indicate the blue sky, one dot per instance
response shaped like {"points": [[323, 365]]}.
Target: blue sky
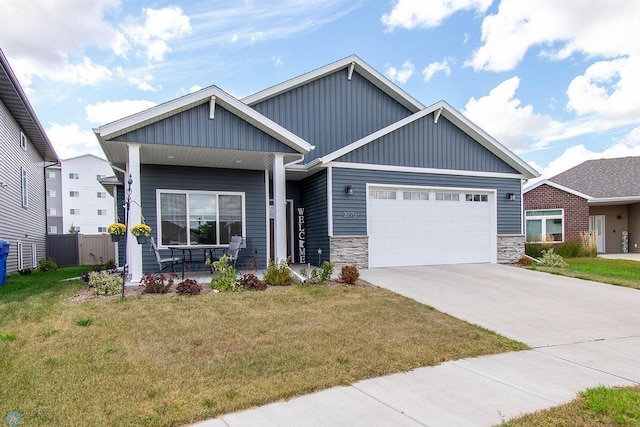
{"points": [[556, 82]]}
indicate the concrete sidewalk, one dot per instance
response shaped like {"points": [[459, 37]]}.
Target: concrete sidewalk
{"points": [[583, 334]]}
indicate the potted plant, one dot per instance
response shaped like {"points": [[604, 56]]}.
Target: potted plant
{"points": [[141, 231], [116, 230]]}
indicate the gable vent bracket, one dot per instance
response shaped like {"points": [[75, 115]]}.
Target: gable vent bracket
{"points": [[212, 108], [436, 115], [351, 67]]}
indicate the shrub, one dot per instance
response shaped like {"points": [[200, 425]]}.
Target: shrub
{"points": [[227, 278], [524, 261], [104, 283], [25, 271], [318, 276], [349, 274], [188, 287], [251, 282], [589, 244], [48, 264], [279, 274], [155, 283], [110, 265], [569, 249], [551, 259]]}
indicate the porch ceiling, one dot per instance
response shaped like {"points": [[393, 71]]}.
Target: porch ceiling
{"points": [[195, 156]]}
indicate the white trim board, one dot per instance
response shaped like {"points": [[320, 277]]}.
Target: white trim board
{"points": [[390, 168]]}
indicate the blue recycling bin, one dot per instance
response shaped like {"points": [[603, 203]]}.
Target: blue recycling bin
{"points": [[4, 252]]}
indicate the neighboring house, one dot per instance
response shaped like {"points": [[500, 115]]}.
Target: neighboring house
{"points": [[337, 164], [600, 197], [25, 151], [75, 198]]}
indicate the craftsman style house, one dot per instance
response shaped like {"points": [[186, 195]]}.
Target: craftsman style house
{"points": [[338, 163]]}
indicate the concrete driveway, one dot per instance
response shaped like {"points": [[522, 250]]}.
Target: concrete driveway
{"points": [[536, 308], [583, 334]]}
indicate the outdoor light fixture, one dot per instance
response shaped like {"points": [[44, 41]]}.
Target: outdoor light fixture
{"points": [[511, 196], [349, 190], [619, 216]]}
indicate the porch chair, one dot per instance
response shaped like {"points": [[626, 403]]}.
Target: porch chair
{"points": [[164, 262], [233, 250]]}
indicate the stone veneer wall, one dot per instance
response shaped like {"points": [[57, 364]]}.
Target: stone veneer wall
{"points": [[510, 248], [349, 250]]}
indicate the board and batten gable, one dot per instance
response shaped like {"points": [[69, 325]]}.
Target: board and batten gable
{"points": [[509, 216], [249, 182], [194, 128], [333, 111], [313, 198], [17, 223], [425, 144]]}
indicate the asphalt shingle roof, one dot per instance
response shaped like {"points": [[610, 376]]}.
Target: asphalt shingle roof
{"points": [[600, 178]]}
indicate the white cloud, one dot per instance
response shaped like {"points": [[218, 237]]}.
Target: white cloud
{"points": [[256, 21], [70, 140], [436, 67], [160, 26], [109, 111], [577, 154], [400, 75], [277, 61], [501, 114], [143, 83], [422, 14], [595, 28]]}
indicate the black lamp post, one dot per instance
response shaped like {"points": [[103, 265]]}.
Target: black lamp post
{"points": [[126, 206]]}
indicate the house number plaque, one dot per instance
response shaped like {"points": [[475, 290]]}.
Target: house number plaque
{"points": [[349, 214]]}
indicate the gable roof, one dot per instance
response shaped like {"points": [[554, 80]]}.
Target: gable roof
{"points": [[173, 107], [558, 186], [603, 178], [16, 101], [364, 69], [455, 117]]}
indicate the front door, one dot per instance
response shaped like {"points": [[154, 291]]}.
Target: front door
{"points": [[596, 228], [289, 230]]}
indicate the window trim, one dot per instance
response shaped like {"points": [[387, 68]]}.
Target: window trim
{"points": [[34, 255], [52, 229], [160, 191], [20, 254], [23, 141], [24, 187], [543, 219]]}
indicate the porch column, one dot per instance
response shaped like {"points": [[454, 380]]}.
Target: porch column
{"points": [[279, 207], [134, 250]]}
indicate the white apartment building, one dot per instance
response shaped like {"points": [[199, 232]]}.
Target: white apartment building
{"points": [[86, 207]]}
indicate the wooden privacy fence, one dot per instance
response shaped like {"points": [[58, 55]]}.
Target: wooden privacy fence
{"points": [[80, 249]]}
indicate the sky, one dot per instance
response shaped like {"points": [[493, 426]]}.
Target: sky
{"points": [[554, 81]]}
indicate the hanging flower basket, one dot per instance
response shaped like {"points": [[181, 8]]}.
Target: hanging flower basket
{"points": [[142, 232], [116, 230]]}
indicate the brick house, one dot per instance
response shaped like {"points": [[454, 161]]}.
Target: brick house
{"points": [[601, 197]]}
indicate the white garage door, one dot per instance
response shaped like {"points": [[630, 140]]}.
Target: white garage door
{"points": [[409, 226]]}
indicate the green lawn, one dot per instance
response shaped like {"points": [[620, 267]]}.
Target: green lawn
{"points": [[171, 360], [599, 406], [618, 272]]}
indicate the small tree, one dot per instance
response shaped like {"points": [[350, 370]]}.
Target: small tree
{"points": [[73, 229]]}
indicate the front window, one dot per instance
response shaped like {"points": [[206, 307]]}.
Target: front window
{"points": [[209, 217], [545, 226]]}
